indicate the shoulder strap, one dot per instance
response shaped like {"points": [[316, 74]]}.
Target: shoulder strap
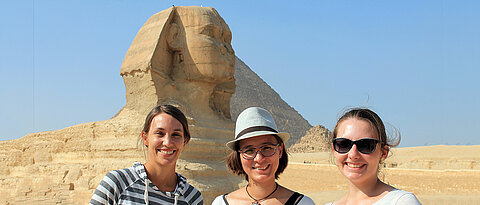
{"points": [[294, 199], [225, 199]]}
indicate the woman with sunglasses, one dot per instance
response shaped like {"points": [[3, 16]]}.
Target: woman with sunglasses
{"points": [[259, 154], [360, 144]]}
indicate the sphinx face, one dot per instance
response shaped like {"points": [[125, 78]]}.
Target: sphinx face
{"points": [[208, 53]]}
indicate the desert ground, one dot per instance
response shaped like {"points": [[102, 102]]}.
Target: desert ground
{"points": [[435, 174]]}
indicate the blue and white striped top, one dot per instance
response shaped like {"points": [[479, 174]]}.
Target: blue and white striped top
{"points": [[127, 186]]}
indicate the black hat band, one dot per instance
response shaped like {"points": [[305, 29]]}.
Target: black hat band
{"points": [[254, 129]]}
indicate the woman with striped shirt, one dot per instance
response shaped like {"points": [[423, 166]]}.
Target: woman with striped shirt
{"points": [[165, 134]]}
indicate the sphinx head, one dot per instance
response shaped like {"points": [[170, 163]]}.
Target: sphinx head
{"points": [[177, 47], [200, 41]]}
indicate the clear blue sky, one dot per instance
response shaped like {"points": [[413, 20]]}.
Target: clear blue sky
{"points": [[416, 63]]}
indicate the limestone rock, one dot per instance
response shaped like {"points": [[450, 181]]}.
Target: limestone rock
{"points": [[65, 166]]}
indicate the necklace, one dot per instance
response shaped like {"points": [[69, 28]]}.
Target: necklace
{"points": [[257, 201]]}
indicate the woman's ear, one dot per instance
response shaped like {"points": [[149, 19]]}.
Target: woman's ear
{"points": [[144, 138], [385, 151], [280, 150]]}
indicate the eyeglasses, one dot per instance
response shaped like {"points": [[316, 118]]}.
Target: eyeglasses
{"points": [[365, 145], [266, 151]]}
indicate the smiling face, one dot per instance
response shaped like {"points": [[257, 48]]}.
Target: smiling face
{"points": [[260, 168], [165, 140], [354, 165]]}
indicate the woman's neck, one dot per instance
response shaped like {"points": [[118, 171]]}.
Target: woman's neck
{"points": [[367, 189], [164, 178], [260, 190]]}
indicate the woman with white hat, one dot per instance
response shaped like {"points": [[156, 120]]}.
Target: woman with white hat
{"points": [[259, 154]]}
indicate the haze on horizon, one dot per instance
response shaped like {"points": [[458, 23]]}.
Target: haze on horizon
{"points": [[414, 63]]}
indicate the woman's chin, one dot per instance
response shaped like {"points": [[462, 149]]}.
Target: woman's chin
{"points": [[260, 178], [162, 161]]}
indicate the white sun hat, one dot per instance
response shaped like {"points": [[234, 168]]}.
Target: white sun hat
{"points": [[253, 122]]}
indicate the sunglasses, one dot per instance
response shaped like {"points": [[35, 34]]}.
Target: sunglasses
{"points": [[266, 151], [365, 145]]}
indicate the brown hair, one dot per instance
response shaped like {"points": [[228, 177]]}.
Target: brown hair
{"points": [[374, 120], [234, 162], [172, 111]]}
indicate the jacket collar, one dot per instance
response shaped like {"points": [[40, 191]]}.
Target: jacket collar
{"points": [[142, 173]]}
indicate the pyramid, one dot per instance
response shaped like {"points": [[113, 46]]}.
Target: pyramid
{"points": [[253, 91]]}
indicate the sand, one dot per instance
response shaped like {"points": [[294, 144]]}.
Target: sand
{"points": [[435, 174]]}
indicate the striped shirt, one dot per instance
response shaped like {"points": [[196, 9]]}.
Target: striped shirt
{"points": [[127, 186]]}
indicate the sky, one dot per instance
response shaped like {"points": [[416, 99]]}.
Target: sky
{"points": [[415, 63]]}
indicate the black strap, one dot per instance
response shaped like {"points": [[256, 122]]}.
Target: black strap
{"points": [[256, 128], [294, 199], [225, 199]]}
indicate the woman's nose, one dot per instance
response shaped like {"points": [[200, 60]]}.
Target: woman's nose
{"points": [[167, 140], [258, 156], [354, 153]]}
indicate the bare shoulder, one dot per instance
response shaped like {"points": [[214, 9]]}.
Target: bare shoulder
{"points": [[341, 201], [284, 193]]}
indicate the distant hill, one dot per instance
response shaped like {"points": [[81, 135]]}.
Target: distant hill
{"points": [[317, 139], [253, 91]]}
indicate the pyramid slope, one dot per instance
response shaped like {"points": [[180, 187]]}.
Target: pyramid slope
{"points": [[253, 91]]}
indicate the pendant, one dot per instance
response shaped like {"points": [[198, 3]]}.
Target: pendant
{"points": [[256, 203]]}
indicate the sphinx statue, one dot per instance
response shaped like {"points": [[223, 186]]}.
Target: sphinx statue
{"points": [[180, 56], [183, 56]]}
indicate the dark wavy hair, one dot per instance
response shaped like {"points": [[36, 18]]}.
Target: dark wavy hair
{"points": [[234, 162]]}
